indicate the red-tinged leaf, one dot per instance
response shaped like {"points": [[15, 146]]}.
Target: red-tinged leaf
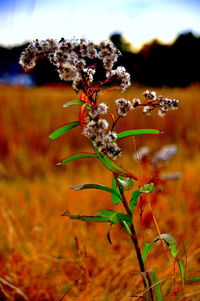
{"points": [[76, 157], [82, 115], [63, 129], [113, 166], [108, 91], [83, 97]]}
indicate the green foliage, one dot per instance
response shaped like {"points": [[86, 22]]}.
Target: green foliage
{"points": [[76, 157], [105, 216], [137, 132], [147, 248], [182, 271], [156, 285], [73, 102], [193, 279], [147, 188], [98, 186], [113, 166], [127, 184], [63, 129], [116, 197]]}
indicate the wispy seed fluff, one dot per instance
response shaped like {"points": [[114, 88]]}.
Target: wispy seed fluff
{"points": [[123, 106], [163, 104], [70, 57], [96, 130], [101, 109]]}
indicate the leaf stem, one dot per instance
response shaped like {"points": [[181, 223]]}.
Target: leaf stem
{"points": [[136, 244]]}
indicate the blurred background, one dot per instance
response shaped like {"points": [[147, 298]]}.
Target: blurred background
{"points": [[159, 39], [44, 256]]}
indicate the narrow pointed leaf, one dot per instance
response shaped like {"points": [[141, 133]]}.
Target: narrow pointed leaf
{"points": [[182, 271], [73, 102], [76, 157], [147, 248], [156, 285], [113, 166], [87, 218], [96, 186], [103, 92], [193, 279], [82, 115], [137, 132], [104, 216], [116, 197], [63, 129], [134, 199]]}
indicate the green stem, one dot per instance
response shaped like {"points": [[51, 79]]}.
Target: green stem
{"points": [[136, 244]]}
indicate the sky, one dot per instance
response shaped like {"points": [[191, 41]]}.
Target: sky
{"points": [[139, 21]]}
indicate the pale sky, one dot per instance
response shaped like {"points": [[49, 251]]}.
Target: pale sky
{"points": [[138, 21]]}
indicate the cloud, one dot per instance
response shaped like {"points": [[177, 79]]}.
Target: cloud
{"points": [[137, 20]]}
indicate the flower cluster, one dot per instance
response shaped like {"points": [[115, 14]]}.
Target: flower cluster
{"points": [[162, 103], [121, 74], [123, 106], [71, 57], [96, 131]]}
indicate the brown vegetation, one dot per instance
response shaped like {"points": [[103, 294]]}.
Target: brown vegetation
{"points": [[44, 256]]}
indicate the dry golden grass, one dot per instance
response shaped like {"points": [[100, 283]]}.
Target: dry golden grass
{"points": [[44, 255]]}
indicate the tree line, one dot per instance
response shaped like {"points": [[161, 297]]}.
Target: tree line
{"points": [[156, 64]]}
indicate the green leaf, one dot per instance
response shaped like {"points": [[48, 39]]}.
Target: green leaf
{"points": [[147, 248], [137, 132], [121, 217], [63, 129], [134, 199], [156, 285], [77, 156], [104, 215], [182, 271], [169, 241], [115, 197], [111, 215], [147, 188], [126, 227], [112, 166], [96, 186], [193, 279], [73, 102], [126, 184]]}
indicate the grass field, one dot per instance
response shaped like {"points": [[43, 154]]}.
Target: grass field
{"points": [[44, 256]]}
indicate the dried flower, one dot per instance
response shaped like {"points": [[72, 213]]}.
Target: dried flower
{"points": [[166, 153], [70, 59], [121, 74], [123, 106]]}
